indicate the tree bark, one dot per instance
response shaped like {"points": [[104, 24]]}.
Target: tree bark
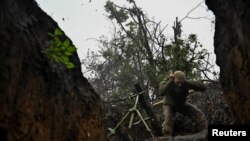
{"points": [[41, 100], [232, 49], [146, 106]]}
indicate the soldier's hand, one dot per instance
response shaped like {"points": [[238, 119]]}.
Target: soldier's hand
{"points": [[171, 75]]}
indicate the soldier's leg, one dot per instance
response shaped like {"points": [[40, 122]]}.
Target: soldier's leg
{"points": [[196, 114], [168, 124]]}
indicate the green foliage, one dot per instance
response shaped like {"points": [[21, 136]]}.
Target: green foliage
{"points": [[133, 55], [188, 55], [130, 1], [120, 15], [60, 50], [139, 52]]}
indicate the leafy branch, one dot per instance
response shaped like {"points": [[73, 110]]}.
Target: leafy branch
{"points": [[60, 50]]}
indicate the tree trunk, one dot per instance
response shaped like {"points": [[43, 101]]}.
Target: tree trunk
{"points": [[41, 100], [232, 49], [146, 106]]}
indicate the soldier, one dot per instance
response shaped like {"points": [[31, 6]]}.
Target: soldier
{"points": [[175, 91]]}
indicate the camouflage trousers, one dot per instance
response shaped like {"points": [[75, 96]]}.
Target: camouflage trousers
{"points": [[187, 109]]}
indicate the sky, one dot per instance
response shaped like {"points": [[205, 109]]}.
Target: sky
{"points": [[82, 21]]}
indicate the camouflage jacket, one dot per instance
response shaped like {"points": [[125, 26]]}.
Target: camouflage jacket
{"points": [[174, 95]]}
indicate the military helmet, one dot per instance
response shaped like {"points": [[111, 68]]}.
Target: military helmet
{"points": [[179, 76]]}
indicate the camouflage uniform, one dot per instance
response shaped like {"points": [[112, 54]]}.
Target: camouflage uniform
{"points": [[175, 101]]}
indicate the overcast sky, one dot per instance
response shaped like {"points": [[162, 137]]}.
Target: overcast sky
{"points": [[81, 19]]}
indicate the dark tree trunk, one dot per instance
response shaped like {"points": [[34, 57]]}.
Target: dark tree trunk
{"points": [[41, 100], [232, 49], [156, 128]]}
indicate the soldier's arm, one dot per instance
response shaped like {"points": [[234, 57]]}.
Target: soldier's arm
{"points": [[196, 85], [164, 86]]}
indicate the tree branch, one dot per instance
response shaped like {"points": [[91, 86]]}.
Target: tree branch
{"points": [[192, 10]]}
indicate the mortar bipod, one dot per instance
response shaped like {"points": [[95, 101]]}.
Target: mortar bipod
{"points": [[132, 111]]}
